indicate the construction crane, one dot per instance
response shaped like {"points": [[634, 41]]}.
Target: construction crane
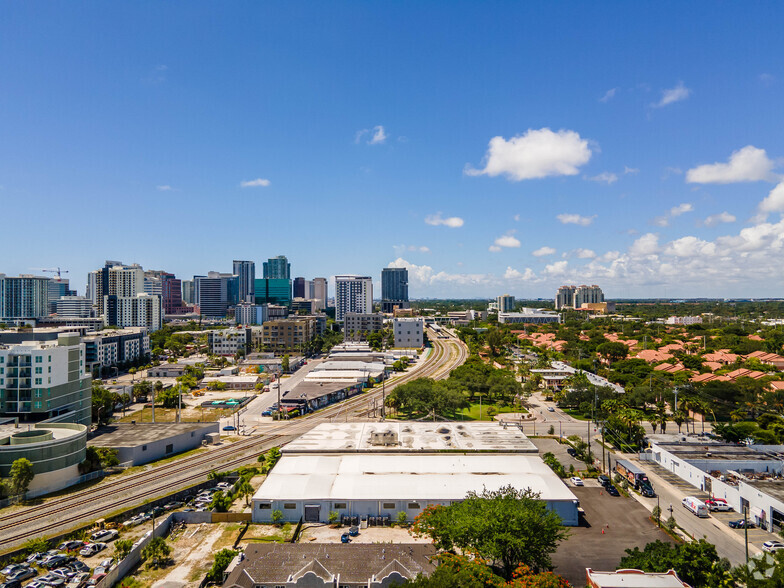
{"points": [[55, 270]]}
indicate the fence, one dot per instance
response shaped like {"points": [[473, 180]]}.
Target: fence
{"points": [[50, 489], [231, 517]]}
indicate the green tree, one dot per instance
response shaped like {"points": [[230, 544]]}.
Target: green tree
{"points": [[103, 403], [244, 488], [285, 364], [221, 502], [458, 571], [697, 563], [157, 552], [222, 560], [36, 545], [613, 350], [507, 526], [277, 516], [333, 517], [122, 547], [21, 475], [169, 398]]}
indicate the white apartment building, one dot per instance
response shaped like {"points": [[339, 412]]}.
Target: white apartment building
{"points": [[229, 341], [576, 296], [409, 332], [505, 303], [142, 310], [76, 306], [251, 314], [353, 294], [319, 287], [684, 320]]}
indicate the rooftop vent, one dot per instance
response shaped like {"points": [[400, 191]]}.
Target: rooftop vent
{"points": [[383, 439]]}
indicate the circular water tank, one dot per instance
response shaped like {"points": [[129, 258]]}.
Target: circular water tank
{"points": [[32, 436]]}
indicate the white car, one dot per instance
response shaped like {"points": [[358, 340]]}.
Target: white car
{"points": [[577, 481], [772, 546], [92, 549], [105, 535]]}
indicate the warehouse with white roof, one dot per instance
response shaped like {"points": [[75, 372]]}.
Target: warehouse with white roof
{"points": [[381, 469]]}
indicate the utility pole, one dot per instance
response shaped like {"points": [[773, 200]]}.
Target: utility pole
{"points": [[658, 509], [675, 408], [746, 530]]}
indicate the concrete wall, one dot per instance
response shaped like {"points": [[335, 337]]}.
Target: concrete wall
{"points": [[49, 455]]}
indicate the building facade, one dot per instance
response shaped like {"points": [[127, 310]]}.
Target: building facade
{"points": [[273, 291], [529, 315], [277, 268], [408, 332], [229, 341], [76, 306], [108, 349], [287, 334], [394, 288], [24, 297], [576, 296], [353, 294], [142, 310], [246, 273], [250, 314], [46, 381], [357, 326], [215, 292], [505, 302], [320, 292]]}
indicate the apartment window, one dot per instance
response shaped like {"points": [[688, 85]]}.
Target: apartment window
{"points": [[2, 370], [37, 404], [339, 505], [388, 505], [38, 381], [265, 506], [50, 359], [50, 369], [38, 393], [39, 370], [413, 505], [38, 359], [289, 505], [144, 448]]}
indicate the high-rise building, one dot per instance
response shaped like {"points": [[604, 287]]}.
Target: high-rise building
{"points": [[246, 272], [303, 288], [75, 306], [576, 296], [116, 279], [171, 293], [394, 288], [188, 296], [58, 287], [320, 292], [215, 292], [353, 294], [250, 314], [505, 302], [44, 380], [142, 310], [152, 282], [273, 291], [24, 297], [277, 268]]}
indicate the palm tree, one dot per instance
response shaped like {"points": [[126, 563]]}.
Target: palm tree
{"points": [[679, 417]]}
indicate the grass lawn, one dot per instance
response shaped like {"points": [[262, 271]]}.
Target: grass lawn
{"points": [[472, 412], [576, 414], [169, 415]]}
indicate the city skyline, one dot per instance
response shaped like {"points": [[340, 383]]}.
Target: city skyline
{"points": [[497, 149]]}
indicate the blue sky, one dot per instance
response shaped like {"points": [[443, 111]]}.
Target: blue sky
{"points": [[491, 147]]}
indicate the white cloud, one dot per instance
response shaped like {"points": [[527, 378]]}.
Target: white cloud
{"points": [[543, 251], [413, 248], [452, 221], [575, 219], [648, 244], [630, 170], [258, 182], [494, 248], [585, 253], [716, 219], [606, 177], [672, 95], [556, 269], [507, 241], [517, 217], [773, 202], [748, 164], [535, 154], [663, 221], [690, 247], [422, 276], [376, 135], [513, 274], [165, 188], [608, 95]]}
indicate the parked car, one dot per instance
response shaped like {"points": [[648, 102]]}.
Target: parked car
{"points": [[577, 481], [344, 538], [11, 584], [70, 545], [66, 573], [229, 428], [172, 505], [741, 524], [647, 491], [105, 535], [11, 568], [612, 490], [353, 531], [95, 579], [78, 580], [52, 580], [718, 504], [35, 584], [772, 546], [92, 548], [36, 557], [79, 566], [267, 412], [53, 561], [550, 409], [22, 574], [571, 451], [604, 480], [107, 563]]}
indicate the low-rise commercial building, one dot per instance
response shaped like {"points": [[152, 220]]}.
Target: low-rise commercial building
{"points": [[381, 469], [328, 565], [559, 372], [534, 316], [409, 332], [633, 579], [140, 443]]}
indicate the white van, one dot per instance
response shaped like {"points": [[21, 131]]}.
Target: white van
{"points": [[696, 506]]}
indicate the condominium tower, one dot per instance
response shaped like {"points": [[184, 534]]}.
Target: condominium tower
{"points": [[394, 288], [353, 294]]}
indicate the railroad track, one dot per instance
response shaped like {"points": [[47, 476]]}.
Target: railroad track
{"points": [[165, 479]]}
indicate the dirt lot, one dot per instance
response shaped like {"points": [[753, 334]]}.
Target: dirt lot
{"points": [[191, 408], [625, 524], [326, 534]]}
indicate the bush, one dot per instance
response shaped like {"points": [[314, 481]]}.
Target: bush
{"points": [[402, 517], [333, 516], [277, 516], [222, 560]]}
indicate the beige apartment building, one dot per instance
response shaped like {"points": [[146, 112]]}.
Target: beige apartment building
{"points": [[288, 334]]}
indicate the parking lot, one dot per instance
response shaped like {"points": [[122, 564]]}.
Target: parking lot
{"points": [[625, 523]]}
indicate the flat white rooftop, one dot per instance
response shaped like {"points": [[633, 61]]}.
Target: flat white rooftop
{"points": [[412, 438], [407, 477]]}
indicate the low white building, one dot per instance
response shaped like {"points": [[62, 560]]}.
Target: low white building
{"points": [[409, 332], [229, 341], [558, 372], [529, 316], [381, 469]]}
